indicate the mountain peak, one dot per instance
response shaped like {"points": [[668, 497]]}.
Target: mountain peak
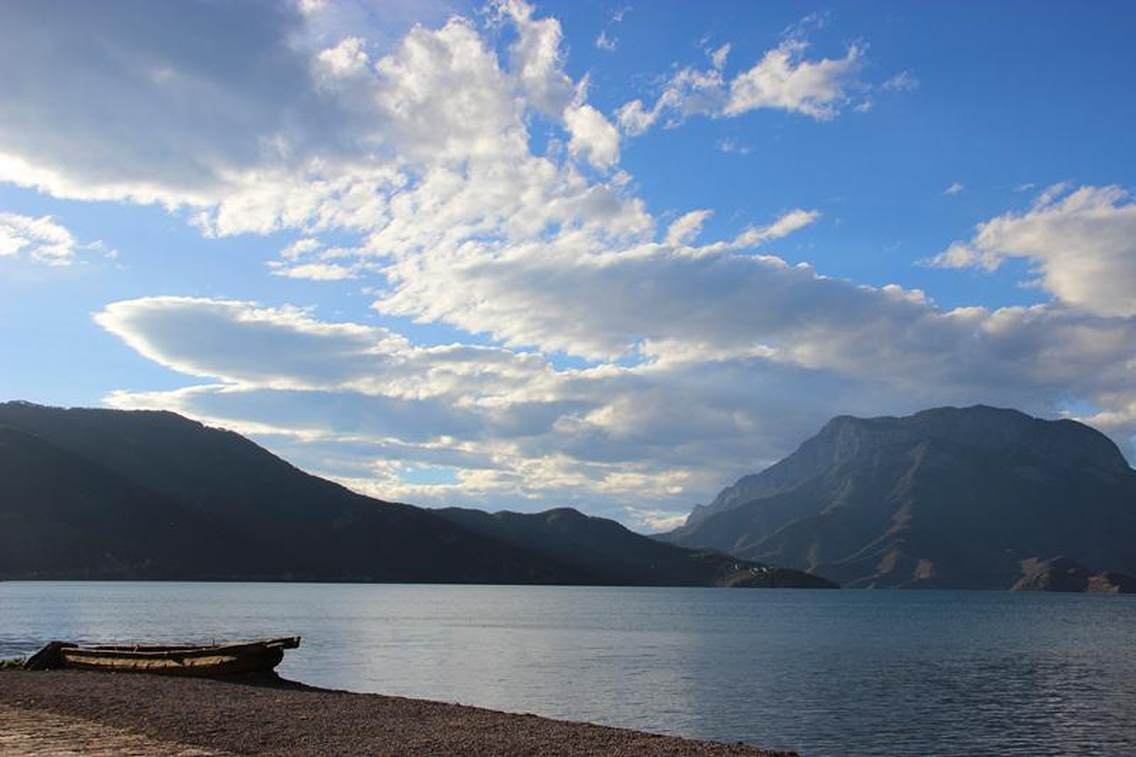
{"points": [[1061, 442], [948, 496]]}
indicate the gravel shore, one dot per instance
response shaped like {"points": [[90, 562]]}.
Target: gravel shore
{"points": [[63, 712]]}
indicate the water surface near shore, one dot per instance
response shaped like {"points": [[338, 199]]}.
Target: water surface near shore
{"points": [[847, 672]]}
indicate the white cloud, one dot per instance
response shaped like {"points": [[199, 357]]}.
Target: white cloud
{"points": [[685, 228], [954, 188], [531, 292], [794, 220], [286, 130], [42, 240], [783, 79], [536, 57], [1081, 242], [314, 271], [345, 60], [593, 136], [688, 92], [300, 247], [962, 255], [718, 57], [238, 342]]}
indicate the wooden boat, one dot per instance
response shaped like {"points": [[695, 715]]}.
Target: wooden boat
{"points": [[178, 660]]}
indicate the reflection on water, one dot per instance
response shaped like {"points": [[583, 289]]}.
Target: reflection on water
{"points": [[845, 672]]}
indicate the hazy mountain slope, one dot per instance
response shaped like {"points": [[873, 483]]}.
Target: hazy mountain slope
{"points": [[611, 551], [152, 494], [945, 498]]}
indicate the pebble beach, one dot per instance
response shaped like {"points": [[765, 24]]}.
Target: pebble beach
{"points": [[77, 712]]}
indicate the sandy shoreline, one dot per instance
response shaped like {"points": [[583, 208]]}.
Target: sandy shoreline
{"points": [[84, 713]]}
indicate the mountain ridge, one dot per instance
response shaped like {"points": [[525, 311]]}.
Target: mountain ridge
{"points": [[609, 548], [251, 515]]}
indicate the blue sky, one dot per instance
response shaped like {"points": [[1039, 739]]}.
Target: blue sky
{"points": [[604, 255]]}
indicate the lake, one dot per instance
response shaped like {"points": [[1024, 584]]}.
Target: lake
{"points": [[823, 672]]}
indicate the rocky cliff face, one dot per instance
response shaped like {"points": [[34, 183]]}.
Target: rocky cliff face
{"points": [[951, 498], [1063, 574]]}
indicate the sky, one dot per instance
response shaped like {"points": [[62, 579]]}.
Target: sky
{"points": [[603, 255]]}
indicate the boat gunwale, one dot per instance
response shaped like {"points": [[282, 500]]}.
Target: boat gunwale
{"points": [[155, 651]]}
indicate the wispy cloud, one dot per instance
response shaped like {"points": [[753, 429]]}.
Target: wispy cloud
{"points": [[44, 240], [729, 145], [606, 39], [904, 81]]}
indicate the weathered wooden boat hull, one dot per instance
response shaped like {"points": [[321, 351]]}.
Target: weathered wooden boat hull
{"points": [[201, 661], [204, 665]]}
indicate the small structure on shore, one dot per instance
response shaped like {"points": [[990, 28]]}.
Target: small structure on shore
{"points": [[210, 660]]}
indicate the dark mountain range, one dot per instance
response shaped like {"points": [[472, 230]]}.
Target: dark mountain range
{"points": [[948, 498], [114, 494]]}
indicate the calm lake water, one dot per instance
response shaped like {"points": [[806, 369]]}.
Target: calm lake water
{"points": [[843, 672]]}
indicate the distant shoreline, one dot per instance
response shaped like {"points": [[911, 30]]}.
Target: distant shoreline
{"points": [[62, 709], [364, 582]]}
